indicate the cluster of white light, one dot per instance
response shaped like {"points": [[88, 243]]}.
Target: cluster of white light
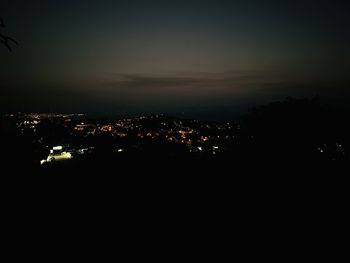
{"points": [[57, 148]]}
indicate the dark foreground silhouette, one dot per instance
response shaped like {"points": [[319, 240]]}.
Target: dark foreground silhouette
{"points": [[285, 170]]}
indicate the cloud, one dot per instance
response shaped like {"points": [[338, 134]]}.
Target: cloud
{"points": [[138, 81], [190, 83], [203, 89]]}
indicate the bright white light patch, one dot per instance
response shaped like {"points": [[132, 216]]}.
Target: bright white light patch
{"points": [[57, 148]]}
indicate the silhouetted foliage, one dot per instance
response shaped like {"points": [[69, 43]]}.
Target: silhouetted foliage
{"points": [[5, 40], [298, 129]]}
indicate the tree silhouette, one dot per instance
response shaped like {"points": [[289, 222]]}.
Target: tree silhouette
{"points": [[5, 39]]}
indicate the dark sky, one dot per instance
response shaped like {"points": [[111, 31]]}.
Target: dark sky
{"points": [[126, 57]]}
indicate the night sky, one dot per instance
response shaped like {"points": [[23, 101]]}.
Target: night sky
{"points": [[198, 57]]}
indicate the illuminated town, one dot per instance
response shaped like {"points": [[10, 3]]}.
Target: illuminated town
{"points": [[78, 135], [49, 139]]}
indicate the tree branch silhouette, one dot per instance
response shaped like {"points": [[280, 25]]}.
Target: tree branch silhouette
{"points": [[5, 40]]}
